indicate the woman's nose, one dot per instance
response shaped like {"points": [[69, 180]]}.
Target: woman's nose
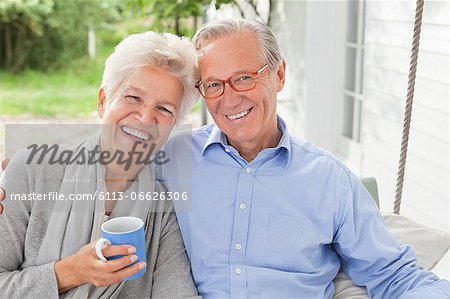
{"points": [[146, 116]]}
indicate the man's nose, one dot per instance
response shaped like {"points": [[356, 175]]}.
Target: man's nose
{"points": [[230, 96]]}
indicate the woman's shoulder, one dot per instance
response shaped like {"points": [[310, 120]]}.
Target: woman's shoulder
{"points": [[37, 164], [163, 203], [47, 154]]}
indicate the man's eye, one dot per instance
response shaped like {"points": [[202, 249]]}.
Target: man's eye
{"points": [[243, 78], [212, 85]]}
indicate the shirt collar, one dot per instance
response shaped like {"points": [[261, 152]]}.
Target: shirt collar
{"points": [[285, 140], [217, 137]]}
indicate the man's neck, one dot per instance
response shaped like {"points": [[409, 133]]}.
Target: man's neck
{"points": [[249, 150]]}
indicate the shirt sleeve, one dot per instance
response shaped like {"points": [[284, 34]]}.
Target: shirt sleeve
{"points": [[370, 255], [15, 281]]}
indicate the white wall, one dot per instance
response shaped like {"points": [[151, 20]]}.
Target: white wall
{"points": [[288, 23], [388, 34], [389, 27]]}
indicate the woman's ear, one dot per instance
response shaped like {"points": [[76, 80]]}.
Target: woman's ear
{"points": [[101, 102], [281, 75]]}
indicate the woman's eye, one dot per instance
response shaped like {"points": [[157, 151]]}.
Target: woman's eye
{"points": [[165, 111], [134, 98]]}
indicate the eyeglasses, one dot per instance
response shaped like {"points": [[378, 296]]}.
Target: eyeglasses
{"points": [[241, 82]]}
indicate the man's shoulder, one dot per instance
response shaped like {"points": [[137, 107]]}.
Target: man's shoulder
{"points": [[306, 152], [203, 131], [197, 135]]}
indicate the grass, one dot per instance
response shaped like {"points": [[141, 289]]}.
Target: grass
{"points": [[67, 92], [70, 91]]}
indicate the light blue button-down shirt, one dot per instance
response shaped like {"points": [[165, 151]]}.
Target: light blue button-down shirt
{"points": [[282, 225]]}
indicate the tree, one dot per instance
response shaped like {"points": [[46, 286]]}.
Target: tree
{"points": [[21, 22], [169, 15], [43, 33], [249, 8]]}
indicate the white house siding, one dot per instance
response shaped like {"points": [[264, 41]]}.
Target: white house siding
{"points": [[288, 24], [308, 32], [388, 35]]}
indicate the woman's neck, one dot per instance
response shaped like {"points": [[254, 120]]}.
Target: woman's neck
{"points": [[117, 179]]}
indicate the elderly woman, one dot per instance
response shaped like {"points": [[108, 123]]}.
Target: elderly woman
{"points": [[48, 247]]}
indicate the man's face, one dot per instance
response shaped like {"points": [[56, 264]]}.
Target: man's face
{"points": [[247, 118]]}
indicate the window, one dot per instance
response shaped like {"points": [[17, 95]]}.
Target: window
{"points": [[352, 97]]}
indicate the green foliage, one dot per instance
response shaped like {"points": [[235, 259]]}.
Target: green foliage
{"points": [[68, 91], [31, 13], [44, 68], [176, 16], [218, 3], [47, 33]]}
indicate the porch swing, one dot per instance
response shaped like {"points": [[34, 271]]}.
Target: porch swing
{"points": [[437, 243]]}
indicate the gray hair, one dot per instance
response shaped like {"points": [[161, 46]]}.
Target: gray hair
{"points": [[169, 52], [269, 50]]}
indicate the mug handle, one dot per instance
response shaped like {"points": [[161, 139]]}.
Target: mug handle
{"points": [[102, 243]]}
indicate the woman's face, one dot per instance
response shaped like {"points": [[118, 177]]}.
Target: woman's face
{"points": [[141, 113]]}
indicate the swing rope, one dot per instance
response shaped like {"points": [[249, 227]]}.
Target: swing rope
{"points": [[409, 105]]}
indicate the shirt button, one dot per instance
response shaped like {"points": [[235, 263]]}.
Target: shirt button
{"points": [[248, 169], [242, 206], [237, 271], [238, 246], [227, 150]]}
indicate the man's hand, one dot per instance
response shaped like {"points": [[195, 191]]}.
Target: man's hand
{"points": [[2, 192]]}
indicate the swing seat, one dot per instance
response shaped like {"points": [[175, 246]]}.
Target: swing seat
{"points": [[430, 245], [371, 185]]}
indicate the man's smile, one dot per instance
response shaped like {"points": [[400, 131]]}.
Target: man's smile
{"points": [[239, 115]]}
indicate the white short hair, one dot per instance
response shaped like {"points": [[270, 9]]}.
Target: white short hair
{"points": [[166, 51], [269, 51]]}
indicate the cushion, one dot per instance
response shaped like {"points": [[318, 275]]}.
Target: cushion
{"points": [[430, 246]]}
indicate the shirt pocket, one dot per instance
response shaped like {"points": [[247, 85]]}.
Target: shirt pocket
{"points": [[291, 243]]}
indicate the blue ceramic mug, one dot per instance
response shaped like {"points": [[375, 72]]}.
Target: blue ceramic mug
{"points": [[120, 231]]}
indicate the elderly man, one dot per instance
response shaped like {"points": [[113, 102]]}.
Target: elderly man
{"points": [[273, 216]]}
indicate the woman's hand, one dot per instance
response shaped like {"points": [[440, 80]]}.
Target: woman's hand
{"points": [[85, 267]]}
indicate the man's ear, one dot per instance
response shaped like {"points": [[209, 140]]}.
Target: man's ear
{"points": [[101, 102], [281, 75]]}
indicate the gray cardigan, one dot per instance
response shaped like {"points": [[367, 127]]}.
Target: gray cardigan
{"points": [[24, 224]]}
